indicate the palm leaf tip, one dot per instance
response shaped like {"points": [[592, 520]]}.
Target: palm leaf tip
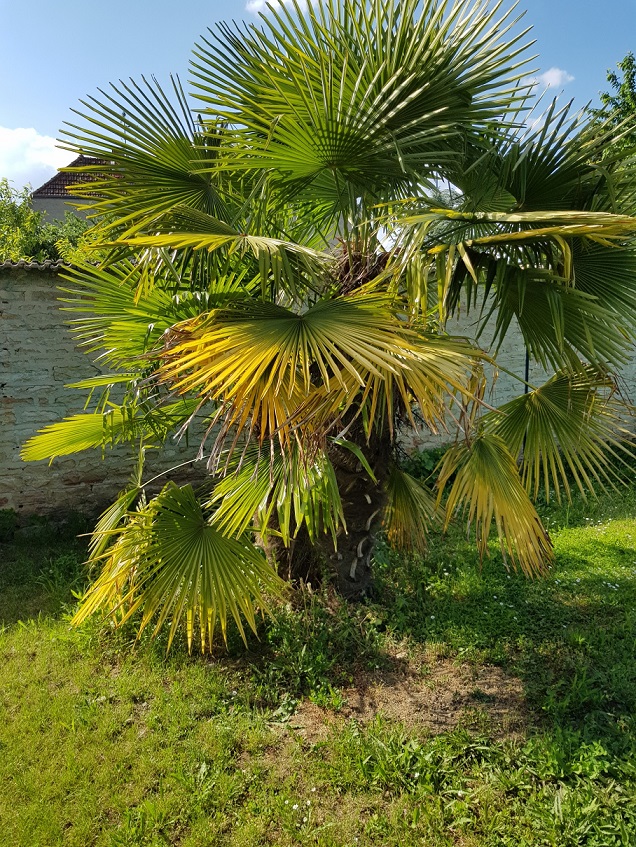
{"points": [[488, 488], [169, 562], [409, 512]]}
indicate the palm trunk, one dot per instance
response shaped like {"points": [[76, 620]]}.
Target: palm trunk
{"points": [[363, 504], [348, 563]]}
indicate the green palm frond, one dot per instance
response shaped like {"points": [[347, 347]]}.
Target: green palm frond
{"points": [[544, 270], [146, 143], [410, 510], [124, 318], [573, 423], [528, 265], [299, 490], [563, 162], [609, 275], [542, 199], [79, 432], [170, 561], [560, 324], [118, 424], [486, 488], [364, 95]]}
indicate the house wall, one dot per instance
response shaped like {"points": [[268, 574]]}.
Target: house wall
{"points": [[55, 208]]}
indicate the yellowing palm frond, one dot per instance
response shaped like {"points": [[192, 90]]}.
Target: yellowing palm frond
{"points": [[409, 512], [79, 432], [572, 423], [106, 429], [487, 487], [537, 223], [111, 520], [170, 561], [275, 366]]}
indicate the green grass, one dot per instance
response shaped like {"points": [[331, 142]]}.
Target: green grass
{"points": [[108, 742]]}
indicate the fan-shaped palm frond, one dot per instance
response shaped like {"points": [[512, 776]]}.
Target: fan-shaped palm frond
{"points": [[410, 510], [366, 94], [124, 319], [146, 144], [269, 363], [609, 275], [572, 423], [170, 561], [487, 487], [120, 423], [187, 229], [527, 264], [560, 324], [561, 162]]}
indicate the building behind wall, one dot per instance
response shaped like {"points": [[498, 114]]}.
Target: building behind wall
{"points": [[55, 198]]}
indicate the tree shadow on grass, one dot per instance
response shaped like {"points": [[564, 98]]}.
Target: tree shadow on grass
{"points": [[570, 638], [41, 566]]}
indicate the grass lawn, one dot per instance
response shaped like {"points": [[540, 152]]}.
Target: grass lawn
{"points": [[459, 707]]}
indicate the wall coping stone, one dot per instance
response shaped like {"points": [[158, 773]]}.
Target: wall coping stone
{"points": [[50, 265]]}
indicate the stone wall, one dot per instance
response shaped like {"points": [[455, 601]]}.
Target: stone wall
{"points": [[38, 358]]}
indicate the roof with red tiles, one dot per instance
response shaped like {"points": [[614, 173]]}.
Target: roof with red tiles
{"points": [[61, 185]]}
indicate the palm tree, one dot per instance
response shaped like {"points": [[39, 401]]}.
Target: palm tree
{"points": [[283, 262]]}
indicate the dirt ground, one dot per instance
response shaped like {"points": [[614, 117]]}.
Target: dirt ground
{"points": [[434, 697]]}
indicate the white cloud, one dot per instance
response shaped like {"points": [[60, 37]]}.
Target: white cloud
{"points": [[553, 78], [256, 6], [28, 157]]}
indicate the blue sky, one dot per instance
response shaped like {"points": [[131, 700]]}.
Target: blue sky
{"points": [[54, 53]]}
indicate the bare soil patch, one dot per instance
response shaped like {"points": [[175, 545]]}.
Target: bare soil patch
{"points": [[434, 698]]}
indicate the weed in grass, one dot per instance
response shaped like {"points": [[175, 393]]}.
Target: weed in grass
{"points": [[145, 826], [421, 465], [63, 578], [8, 525], [315, 648]]}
